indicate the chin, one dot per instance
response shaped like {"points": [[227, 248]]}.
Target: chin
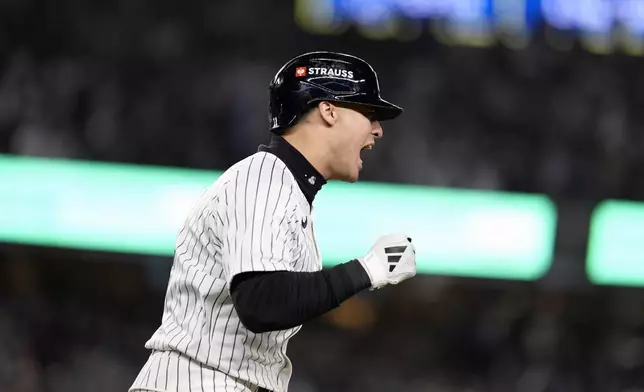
{"points": [[352, 177], [350, 174], [348, 177]]}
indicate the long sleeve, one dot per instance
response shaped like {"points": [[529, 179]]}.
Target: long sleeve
{"points": [[269, 301]]}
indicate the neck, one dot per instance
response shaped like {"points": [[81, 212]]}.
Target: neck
{"points": [[311, 150]]}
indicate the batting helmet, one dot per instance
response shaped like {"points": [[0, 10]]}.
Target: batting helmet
{"points": [[324, 76]]}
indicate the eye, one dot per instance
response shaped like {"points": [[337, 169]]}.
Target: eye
{"points": [[368, 113]]}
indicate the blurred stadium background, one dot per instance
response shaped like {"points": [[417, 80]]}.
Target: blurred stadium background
{"points": [[520, 159]]}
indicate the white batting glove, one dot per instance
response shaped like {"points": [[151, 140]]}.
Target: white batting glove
{"points": [[391, 260]]}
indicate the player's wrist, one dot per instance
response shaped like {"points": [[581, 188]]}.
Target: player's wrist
{"points": [[375, 269], [357, 275]]}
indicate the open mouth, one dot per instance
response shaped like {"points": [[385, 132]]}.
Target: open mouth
{"points": [[365, 148]]}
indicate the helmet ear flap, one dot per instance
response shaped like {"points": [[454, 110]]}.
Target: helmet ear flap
{"points": [[294, 119], [284, 111]]}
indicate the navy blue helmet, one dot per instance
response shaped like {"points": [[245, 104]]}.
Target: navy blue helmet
{"points": [[313, 77]]}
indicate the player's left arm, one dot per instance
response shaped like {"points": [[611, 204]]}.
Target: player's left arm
{"points": [[267, 301], [277, 300]]}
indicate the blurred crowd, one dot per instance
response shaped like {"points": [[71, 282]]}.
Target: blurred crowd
{"points": [[187, 86], [538, 120]]}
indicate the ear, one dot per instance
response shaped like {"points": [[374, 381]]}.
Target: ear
{"points": [[328, 112]]}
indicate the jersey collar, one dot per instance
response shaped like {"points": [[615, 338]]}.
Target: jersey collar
{"points": [[308, 178]]}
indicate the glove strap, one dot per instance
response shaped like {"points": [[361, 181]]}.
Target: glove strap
{"points": [[375, 269]]}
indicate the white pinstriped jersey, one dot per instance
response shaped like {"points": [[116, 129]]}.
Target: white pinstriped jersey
{"points": [[253, 218]]}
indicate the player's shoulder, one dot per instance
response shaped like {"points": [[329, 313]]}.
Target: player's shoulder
{"points": [[261, 169]]}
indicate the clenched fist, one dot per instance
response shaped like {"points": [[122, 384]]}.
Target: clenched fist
{"points": [[390, 260]]}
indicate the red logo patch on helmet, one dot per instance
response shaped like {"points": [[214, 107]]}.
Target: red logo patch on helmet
{"points": [[300, 72]]}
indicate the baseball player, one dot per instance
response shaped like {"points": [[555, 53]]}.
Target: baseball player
{"points": [[247, 270]]}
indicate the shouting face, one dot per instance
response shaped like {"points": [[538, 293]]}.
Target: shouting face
{"points": [[355, 131]]}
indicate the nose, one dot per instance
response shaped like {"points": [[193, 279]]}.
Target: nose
{"points": [[376, 129]]}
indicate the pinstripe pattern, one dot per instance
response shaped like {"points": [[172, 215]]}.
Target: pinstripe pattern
{"points": [[249, 220], [172, 371]]}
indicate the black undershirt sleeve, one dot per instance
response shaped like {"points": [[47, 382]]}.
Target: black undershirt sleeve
{"points": [[278, 300]]}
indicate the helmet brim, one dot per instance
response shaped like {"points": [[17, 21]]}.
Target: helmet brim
{"points": [[384, 110]]}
